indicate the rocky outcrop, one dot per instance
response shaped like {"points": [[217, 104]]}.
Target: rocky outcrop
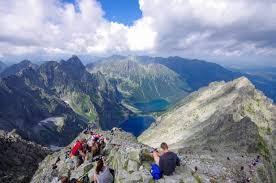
{"points": [[19, 158], [129, 159]]}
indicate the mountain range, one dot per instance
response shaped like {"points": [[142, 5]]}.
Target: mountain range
{"points": [[224, 132], [217, 121], [142, 83], [52, 102]]}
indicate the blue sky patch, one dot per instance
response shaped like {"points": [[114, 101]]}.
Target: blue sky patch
{"points": [[121, 11]]}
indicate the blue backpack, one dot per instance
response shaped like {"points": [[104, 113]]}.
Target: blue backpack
{"points": [[155, 172]]}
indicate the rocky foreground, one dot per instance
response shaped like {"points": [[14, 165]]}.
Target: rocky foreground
{"points": [[130, 159], [19, 158], [222, 133]]}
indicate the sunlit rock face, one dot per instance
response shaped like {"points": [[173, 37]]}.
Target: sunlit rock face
{"points": [[222, 120]]}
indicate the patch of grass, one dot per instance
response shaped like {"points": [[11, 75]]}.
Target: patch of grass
{"points": [[195, 116], [250, 109], [197, 178], [263, 149], [269, 131], [82, 105]]}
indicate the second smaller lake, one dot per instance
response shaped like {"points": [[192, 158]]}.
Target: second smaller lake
{"points": [[136, 125]]}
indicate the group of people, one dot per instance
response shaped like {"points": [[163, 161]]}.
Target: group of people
{"points": [[90, 150], [85, 149]]}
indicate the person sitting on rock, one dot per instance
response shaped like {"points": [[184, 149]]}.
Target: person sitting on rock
{"points": [[103, 173], [96, 143], [166, 160], [78, 152]]}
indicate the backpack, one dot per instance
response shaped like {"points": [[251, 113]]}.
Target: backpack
{"points": [[85, 179], [155, 172], [112, 171]]}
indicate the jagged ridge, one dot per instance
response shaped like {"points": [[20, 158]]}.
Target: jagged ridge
{"points": [[36, 102]]}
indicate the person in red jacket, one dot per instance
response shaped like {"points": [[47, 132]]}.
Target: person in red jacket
{"points": [[77, 152]]}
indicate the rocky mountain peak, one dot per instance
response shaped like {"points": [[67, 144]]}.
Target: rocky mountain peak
{"points": [[74, 60], [242, 82], [73, 66], [18, 68], [24, 62]]}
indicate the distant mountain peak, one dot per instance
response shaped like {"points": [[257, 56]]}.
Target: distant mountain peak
{"points": [[74, 58], [18, 68], [25, 62], [73, 61]]}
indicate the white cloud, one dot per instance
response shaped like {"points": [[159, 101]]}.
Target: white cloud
{"points": [[141, 36], [168, 27]]}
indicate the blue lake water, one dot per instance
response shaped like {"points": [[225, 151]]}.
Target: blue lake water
{"points": [[152, 106], [136, 125]]}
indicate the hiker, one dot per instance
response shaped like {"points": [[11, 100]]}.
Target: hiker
{"points": [[64, 179], [96, 143], [103, 173], [78, 152], [166, 160]]}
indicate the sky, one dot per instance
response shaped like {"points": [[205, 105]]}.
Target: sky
{"points": [[226, 31]]}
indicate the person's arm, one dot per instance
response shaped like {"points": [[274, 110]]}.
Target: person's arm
{"points": [[156, 157], [82, 153], [95, 178]]}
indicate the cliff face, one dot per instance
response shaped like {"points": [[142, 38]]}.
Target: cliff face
{"points": [[19, 158], [222, 133]]}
